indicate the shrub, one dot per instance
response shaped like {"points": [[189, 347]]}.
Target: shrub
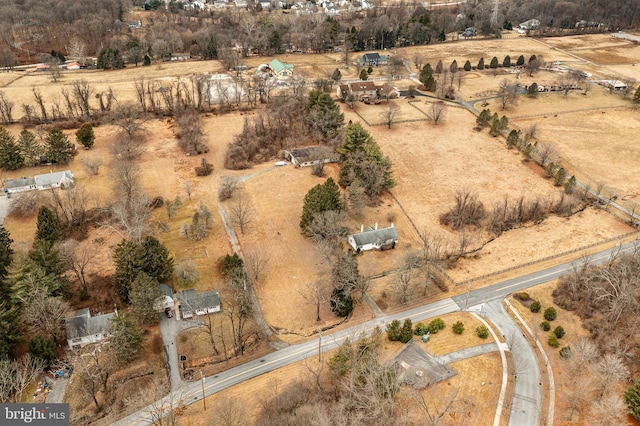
{"points": [[406, 332], [535, 307], [522, 296], [545, 325], [393, 330], [482, 332], [420, 329], [458, 327], [550, 314], [553, 341], [435, 326], [565, 352], [231, 262], [558, 331]]}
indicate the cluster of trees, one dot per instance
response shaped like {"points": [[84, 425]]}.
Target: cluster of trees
{"points": [[28, 149], [469, 211], [290, 120]]}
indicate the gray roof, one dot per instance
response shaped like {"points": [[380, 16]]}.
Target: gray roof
{"points": [[371, 56], [191, 300], [81, 324], [313, 153], [166, 290], [19, 182], [53, 178], [373, 236]]}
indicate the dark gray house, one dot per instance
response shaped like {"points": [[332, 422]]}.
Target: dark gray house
{"points": [[83, 329]]}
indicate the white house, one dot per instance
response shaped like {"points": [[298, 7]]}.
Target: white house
{"points": [[39, 182], [311, 155], [166, 300], [374, 238], [83, 329], [192, 303]]}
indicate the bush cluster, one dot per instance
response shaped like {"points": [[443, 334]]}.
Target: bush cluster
{"points": [[482, 332]]}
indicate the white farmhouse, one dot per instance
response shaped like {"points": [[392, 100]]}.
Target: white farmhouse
{"points": [[83, 329], [374, 238]]}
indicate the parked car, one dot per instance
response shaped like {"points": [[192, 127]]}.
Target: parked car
{"points": [[168, 312]]}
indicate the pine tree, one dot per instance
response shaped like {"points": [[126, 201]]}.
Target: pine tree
{"points": [[507, 62], [59, 149], [406, 332], [320, 198], [636, 97], [44, 349], [6, 253], [481, 64], [10, 156], [157, 262], [30, 149], [337, 75], [325, 113], [364, 75], [494, 63], [467, 66], [632, 399], [126, 338], [128, 258], [520, 61], [47, 257], [49, 228], [85, 135], [144, 294]]}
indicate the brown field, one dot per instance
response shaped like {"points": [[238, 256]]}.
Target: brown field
{"points": [[431, 164]]}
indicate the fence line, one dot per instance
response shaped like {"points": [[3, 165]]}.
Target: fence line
{"points": [[544, 259], [570, 111]]}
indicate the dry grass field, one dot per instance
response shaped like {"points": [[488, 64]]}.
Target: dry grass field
{"points": [[431, 164]]}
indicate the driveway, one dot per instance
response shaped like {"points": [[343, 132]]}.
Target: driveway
{"points": [[527, 393], [170, 328]]}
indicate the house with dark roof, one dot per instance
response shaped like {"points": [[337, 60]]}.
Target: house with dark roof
{"points": [[374, 238], [192, 303], [373, 59], [311, 155], [83, 329], [362, 90], [39, 182]]}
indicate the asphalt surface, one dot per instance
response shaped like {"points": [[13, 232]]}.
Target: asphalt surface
{"points": [[294, 353], [170, 328]]}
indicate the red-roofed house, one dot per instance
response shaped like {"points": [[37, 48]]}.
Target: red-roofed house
{"points": [[363, 90]]}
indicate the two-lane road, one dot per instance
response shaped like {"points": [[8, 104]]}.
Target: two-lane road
{"points": [[291, 354]]}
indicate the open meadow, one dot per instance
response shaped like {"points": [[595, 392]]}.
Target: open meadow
{"points": [[593, 136]]}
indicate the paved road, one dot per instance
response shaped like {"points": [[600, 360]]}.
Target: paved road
{"points": [[294, 353], [527, 393], [467, 353]]}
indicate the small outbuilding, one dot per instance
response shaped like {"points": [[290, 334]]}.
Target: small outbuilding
{"points": [[374, 238], [166, 300], [83, 329], [373, 59], [192, 303], [311, 155]]}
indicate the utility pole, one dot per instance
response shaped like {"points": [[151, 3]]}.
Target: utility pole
{"points": [[319, 345], [204, 401]]}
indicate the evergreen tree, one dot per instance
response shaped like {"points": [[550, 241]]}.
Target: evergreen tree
{"points": [[320, 198], [24, 275], [49, 228], [426, 78], [10, 330], [324, 113], [44, 349], [126, 338], [393, 331], [58, 148], [532, 90], [10, 156], [109, 58], [484, 118], [507, 62], [231, 263], [363, 159], [632, 399], [514, 138], [439, 67], [337, 75], [30, 149], [47, 257], [156, 261], [406, 332], [481, 64], [364, 75], [636, 97], [494, 63], [467, 66], [128, 258], [341, 303], [85, 135], [143, 295], [6, 254], [520, 61]]}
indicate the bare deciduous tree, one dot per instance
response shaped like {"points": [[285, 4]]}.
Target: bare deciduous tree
{"points": [[16, 376], [77, 256], [92, 164], [390, 113], [436, 111], [228, 186], [257, 260], [186, 273], [404, 283], [242, 213], [507, 94]]}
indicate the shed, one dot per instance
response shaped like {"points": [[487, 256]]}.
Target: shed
{"points": [[373, 59], [374, 238], [192, 303], [83, 329]]}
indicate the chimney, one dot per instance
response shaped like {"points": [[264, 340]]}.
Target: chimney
{"points": [[361, 228], [392, 224], [376, 226]]}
